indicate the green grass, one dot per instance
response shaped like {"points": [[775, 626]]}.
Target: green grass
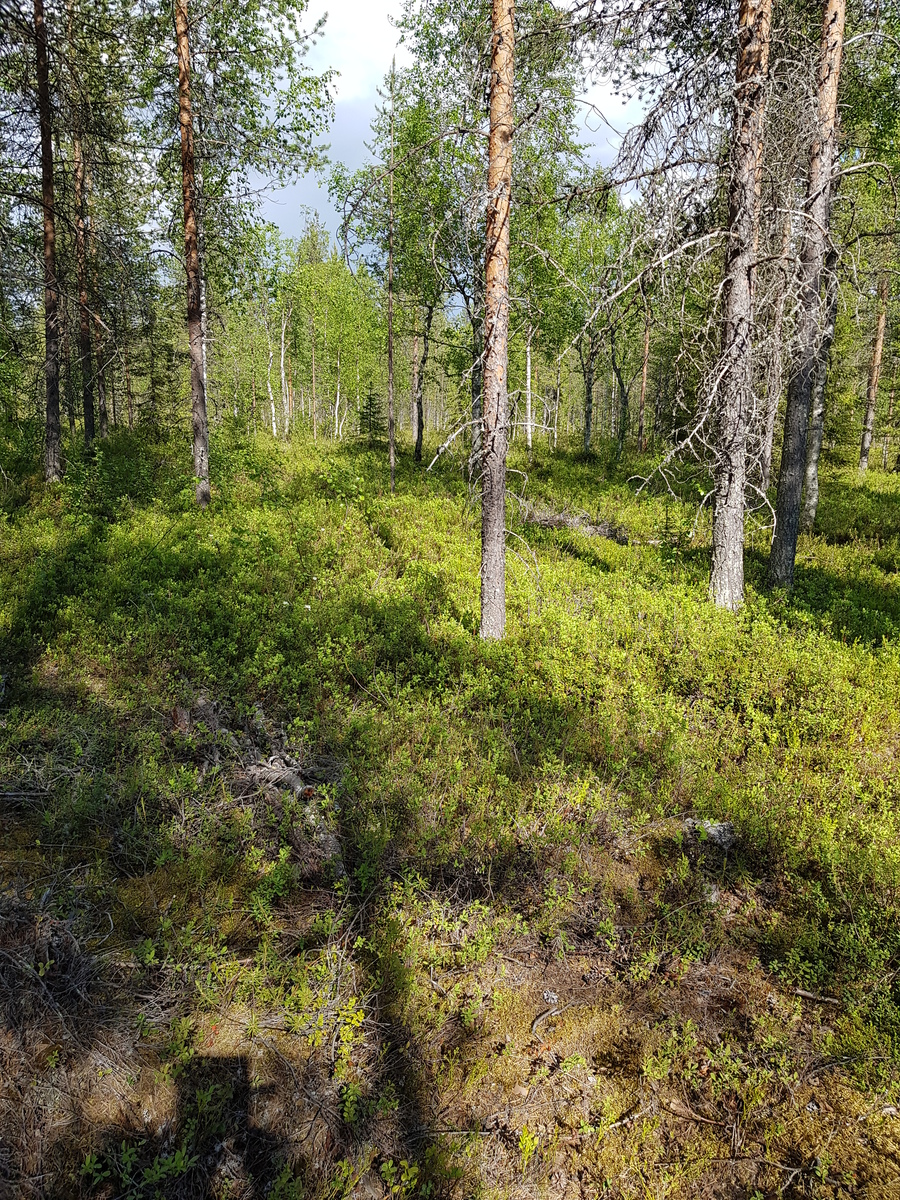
{"points": [[524, 798]]}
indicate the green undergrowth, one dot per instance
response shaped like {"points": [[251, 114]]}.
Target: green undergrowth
{"points": [[484, 793]]}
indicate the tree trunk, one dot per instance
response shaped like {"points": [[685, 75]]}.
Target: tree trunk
{"points": [[192, 258], [874, 373], [556, 406], [392, 453], [313, 403], [528, 419], [102, 410], [776, 373], [150, 329], [85, 357], [812, 255], [622, 427], [587, 367], [290, 392], [53, 435], [129, 392], [413, 424], [477, 381], [269, 382], [734, 400], [101, 367], [97, 324], [645, 363], [495, 415], [817, 413], [285, 401], [657, 405], [420, 382]]}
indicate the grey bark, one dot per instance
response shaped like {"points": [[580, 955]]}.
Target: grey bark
{"points": [[622, 423], [645, 363], [776, 371], [588, 358], [874, 374], [812, 255], [734, 400], [420, 381]]}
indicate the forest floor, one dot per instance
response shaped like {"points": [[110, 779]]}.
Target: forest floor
{"points": [[305, 892]]}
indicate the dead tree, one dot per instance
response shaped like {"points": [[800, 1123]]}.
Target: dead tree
{"points": [[645, 364], [812, 255], [817, 412], [734, 405], [776, 371]]}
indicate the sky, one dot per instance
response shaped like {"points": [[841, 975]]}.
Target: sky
{"points": [[359, 42]]}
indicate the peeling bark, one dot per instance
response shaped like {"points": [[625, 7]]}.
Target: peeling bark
{"points": [[495, 409]]}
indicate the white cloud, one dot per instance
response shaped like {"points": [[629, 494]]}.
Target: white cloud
{"points": [[359, 42]]}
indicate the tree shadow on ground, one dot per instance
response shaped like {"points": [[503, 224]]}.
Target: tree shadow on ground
{"points": [[849, 607], [203, 1102], [125, 1072], [90, 1109], [858, 512]]}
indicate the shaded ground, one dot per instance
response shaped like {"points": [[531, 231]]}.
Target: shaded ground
{"points": [[305, 893]]}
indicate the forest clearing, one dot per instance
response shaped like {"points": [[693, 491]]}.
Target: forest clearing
{"points": [[450, 650]]}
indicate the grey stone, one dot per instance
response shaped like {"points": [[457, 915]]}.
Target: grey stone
{"points": [[720, 833]]}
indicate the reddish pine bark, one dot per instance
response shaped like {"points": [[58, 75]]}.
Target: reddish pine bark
{"points": [[495, 407]]}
